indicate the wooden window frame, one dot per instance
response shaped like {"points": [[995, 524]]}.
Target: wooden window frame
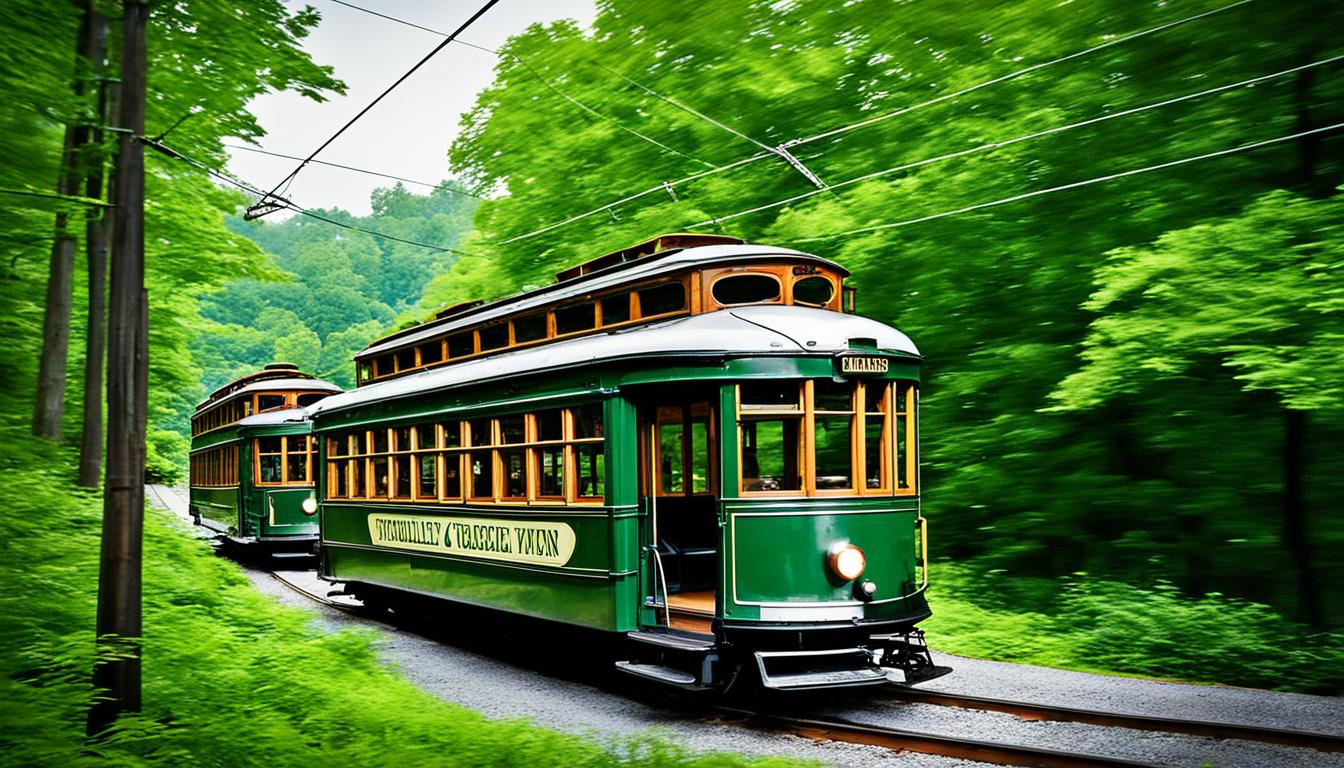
{"points": [[833, 305], [714, 276], [858, 454], [888, 447], [284, 462]]}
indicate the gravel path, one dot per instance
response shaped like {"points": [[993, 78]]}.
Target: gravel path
{"points": [[572, 701]]}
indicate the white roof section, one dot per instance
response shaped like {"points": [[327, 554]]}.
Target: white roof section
{"points": [[272, 385], [275, 418], [649, 266], [742, 332]]}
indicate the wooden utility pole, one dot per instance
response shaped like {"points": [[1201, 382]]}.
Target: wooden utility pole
{"points": [[96, 231], [124, 486]]}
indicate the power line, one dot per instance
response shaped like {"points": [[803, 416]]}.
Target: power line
{"points": [[286, 204], [544, 80], [88, 201], [1016, 140], [664, 186], [1064, 187], [259, 208], [1018, 73], [435, 187]]}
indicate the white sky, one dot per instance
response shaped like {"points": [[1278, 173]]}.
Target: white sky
{"points": [[408, 133]]}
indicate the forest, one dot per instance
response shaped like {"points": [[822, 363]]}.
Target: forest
{"points": [[1115, 231]]}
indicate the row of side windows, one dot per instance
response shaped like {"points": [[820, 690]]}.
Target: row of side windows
{"points": [[662, 299], [215, 467], [554, 456]]}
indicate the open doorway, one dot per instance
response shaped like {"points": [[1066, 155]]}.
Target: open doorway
{"points": [[679, 493]]}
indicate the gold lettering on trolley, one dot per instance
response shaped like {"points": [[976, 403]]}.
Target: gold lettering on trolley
{"points": [[541, 543], [858, 364]]}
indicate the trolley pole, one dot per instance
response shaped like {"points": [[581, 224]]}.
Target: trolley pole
{"points": [[117, 673]]}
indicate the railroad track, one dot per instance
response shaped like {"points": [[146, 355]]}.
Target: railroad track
{"points": [[1324, 742], [996, 753], [323, 599]]}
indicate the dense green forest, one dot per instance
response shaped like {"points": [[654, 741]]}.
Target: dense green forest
{"points": [[1136, 383], [341, 288]]}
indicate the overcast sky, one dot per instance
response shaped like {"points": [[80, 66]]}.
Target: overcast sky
{"points": [[408, 133]]}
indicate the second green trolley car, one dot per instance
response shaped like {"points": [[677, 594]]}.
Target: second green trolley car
{"points": [[690, 442]]}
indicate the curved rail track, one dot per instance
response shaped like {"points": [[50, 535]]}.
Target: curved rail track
{"points": [[997, 753], [1324, 742]]}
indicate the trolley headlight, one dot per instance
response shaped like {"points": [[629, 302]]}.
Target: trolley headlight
{"points": [[310, 505], [847, 561]]}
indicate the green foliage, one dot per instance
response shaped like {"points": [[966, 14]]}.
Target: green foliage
{"points": [[203, 71], [223, 660], [341, 290], [1080, 622], [1261, 292]]}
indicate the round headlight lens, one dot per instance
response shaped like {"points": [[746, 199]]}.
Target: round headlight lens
{"points": [[310, 506], [847, 561]]}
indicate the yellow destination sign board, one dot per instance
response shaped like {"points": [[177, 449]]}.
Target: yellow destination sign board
{"points": [[540, 543]]}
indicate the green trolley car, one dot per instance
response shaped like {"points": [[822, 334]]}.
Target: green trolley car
{"points": [[693, 442], [252, 471]]}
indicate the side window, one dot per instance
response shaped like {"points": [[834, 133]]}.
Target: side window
{"points": [[616, 309], [661, 299], [575, 319], [270, 402]]}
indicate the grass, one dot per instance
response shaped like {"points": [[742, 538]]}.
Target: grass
{"points": [[1117, 628], [231, 677]]}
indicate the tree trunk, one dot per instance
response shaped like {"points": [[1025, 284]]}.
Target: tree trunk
{"points": [[1296, 531], [49, 404], [96, 227], [119, 570]]}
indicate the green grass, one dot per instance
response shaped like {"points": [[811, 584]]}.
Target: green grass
{"points": [[231, 677], [1152, 631]]}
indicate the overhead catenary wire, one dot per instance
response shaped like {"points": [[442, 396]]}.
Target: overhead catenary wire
{"points": [[1065, 187], [286, 204], [76, 199], [542, 78], [436, 187], [993, 145], [266, 199], [663, 186]]}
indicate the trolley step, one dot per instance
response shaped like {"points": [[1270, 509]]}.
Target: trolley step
{"points": [[677, 641], [803, 670], [661, 674]]}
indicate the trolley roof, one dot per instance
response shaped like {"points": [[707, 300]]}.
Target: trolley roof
{"points": [[290, 383], [600, 277], [741, 332], [275, 418]]}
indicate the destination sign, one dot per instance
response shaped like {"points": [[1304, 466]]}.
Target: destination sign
{"points": [[540, 543], [863, 365]]}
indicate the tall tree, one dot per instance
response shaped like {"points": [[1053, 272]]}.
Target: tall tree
{"points": [[49, 406], [117, 672], [97, 226]]}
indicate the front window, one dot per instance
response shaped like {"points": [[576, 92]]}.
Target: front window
{"points": [[746, 288], [283, 460], [819, 438]]}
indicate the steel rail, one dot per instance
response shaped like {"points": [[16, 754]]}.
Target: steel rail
{"points": [[897, 739], [312, 595], [1324, 742]]}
